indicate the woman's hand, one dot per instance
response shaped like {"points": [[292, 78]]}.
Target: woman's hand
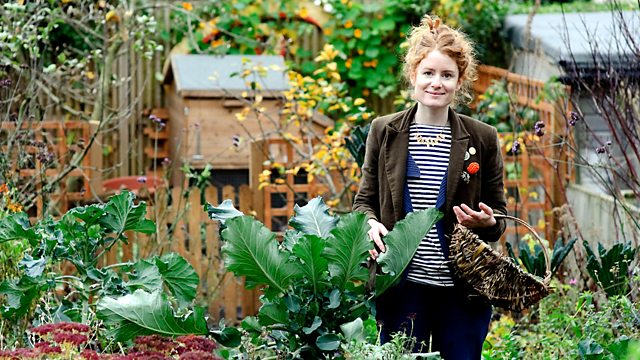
{"points": [[376, 233], [474, 219]]}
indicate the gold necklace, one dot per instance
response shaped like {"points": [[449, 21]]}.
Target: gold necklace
{"points": [[431, 140]]}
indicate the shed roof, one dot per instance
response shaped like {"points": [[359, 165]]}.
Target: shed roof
{"points": [[211, 76], [563, 35]]}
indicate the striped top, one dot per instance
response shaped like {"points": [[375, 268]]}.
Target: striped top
{"points": [[429, 146]]}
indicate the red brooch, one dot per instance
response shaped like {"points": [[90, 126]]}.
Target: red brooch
{"points": [[473, 168]]}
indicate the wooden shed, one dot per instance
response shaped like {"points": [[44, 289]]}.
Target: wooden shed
{"points": [[203, 94]]}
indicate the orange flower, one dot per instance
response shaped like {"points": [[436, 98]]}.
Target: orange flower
{"points": [[4, 188], [348, 24], [357, 33], [473, 168], [187, 6]]}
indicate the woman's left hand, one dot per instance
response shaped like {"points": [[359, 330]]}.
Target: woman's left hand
{"points": [[474, 219]]}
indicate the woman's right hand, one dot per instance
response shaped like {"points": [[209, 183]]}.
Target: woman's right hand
{"points": [[376, 233]]}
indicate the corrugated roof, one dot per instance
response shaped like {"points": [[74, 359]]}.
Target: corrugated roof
{"points": [[561, 35], [210, 76]]}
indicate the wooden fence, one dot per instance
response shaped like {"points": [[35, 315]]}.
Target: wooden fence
{"points": [[185, 228], [543, 168]]}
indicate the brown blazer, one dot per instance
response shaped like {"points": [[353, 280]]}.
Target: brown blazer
{"points": [[385, 164]]}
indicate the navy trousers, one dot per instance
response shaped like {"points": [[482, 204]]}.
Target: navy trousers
{"points": [[455, 324]]}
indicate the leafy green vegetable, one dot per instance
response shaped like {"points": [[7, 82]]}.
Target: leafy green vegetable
{"points": [[143, 313]]}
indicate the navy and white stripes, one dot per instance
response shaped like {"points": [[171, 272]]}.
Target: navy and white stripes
{"points": [[432, 158]]}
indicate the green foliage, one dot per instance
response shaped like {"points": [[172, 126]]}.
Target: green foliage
{"points": [[611, 270], [568, 325], [143, 313], [535, 263], [80, 237], [482, 21], [251, 250], [313, 219], [362, 342], [499, 108], [401, 244], [314, 280], [356, 143]]}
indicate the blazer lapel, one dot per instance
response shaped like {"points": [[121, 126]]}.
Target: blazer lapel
{"points": [[459, 143], [395, 156]]}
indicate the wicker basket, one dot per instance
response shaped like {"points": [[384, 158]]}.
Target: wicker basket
{"points": [[495, 276]]}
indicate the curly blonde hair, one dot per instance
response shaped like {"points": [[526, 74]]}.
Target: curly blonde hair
{"points": [[432, 35]]}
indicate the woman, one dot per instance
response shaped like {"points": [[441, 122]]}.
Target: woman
{"points": [[430, 156]]}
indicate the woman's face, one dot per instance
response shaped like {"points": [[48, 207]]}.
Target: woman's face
{"points": [[436, 80]]}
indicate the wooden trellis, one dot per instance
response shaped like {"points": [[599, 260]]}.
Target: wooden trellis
{"points": [[61, 140], [537, 184]]}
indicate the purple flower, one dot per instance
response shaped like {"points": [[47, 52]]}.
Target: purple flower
{"points": [[574, 118], [538, 128], [166, 161], [573, 281], [142, 179], [601, 149], [157, 120], [516, 147], [5, 83]]}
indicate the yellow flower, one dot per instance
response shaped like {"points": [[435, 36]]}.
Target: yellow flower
{"points": [[347, 64], [14, 207], [112, 16], [357, 33], [304, 13], [348, 24], [358, 101], [328, 53], [187, 6]]}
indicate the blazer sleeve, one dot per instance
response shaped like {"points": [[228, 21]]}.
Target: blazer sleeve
{"points": [[493, 189], [366, 199]]}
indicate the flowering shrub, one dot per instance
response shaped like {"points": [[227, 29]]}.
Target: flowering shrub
{"points": [[66, 340]]}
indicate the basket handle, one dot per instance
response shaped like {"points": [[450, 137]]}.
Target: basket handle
{"points": [[547, 277]]}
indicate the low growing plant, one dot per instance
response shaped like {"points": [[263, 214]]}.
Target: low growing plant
{"points": [[148, 296], [314, 279], [534, 261], [68, 340], [568, 325], [611, 270]]}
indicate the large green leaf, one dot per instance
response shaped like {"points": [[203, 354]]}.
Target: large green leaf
{"points": [[122, 214], [19, 295], [251, 250], [146, 276], [560, 252], [312, 265], [328, 342], [348, 248], [222, 212], [401, 244], [179, 276], [15, 227], [143, 313], [313, 218], [89, 214]]}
